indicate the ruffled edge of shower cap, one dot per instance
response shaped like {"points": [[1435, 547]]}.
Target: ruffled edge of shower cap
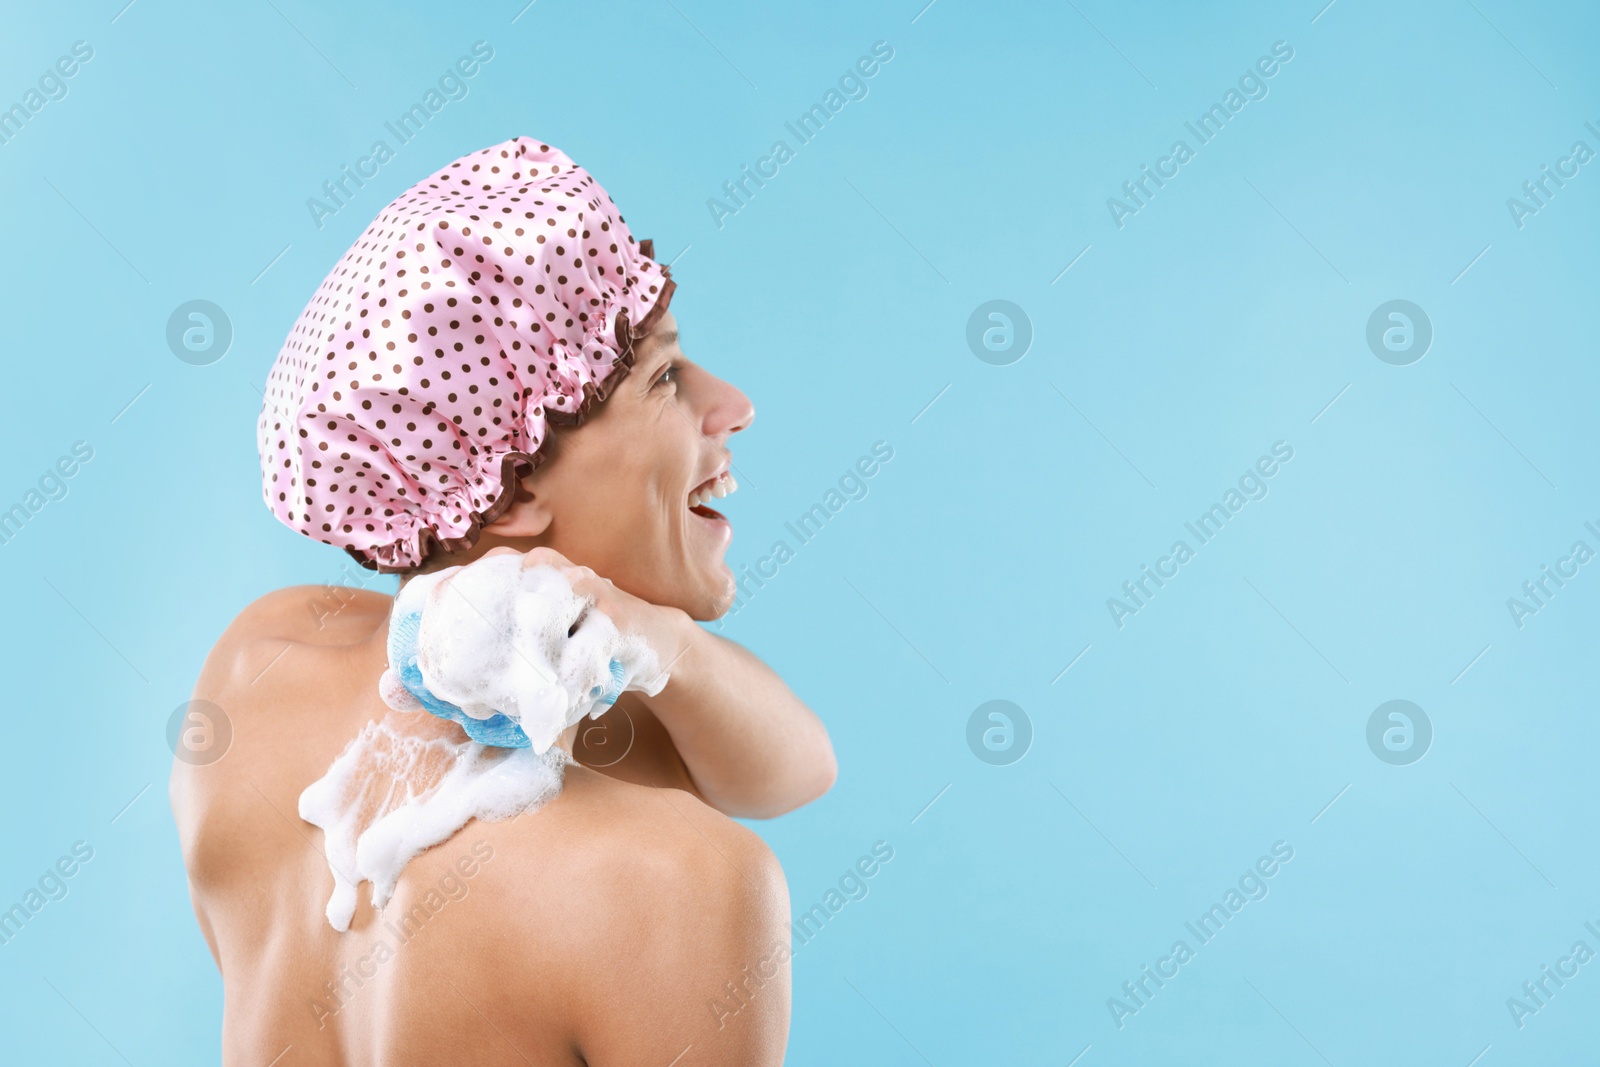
{"points": [[501, 472]]}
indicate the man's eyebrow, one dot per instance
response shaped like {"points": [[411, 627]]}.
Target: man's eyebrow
{"points": [[664, 340], [654, 365]]}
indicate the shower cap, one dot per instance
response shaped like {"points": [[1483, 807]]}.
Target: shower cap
{"points": [[492, 301]]}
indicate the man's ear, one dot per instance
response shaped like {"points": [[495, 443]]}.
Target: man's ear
{"points": [[528, 515]]}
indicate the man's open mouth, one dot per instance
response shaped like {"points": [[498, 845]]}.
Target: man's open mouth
{"points": [[711, 489]]}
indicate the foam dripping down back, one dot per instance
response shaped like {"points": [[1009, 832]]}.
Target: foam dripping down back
{"points": [[391, 795], [515, 657]]}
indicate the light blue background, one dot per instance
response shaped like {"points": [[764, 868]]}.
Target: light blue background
{"points": [[1223, 717]]}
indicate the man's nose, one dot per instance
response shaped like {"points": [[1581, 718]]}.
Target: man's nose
{"points": [[727, 410]]}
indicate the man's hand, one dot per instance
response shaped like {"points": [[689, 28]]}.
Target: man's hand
{"points": [[751, 747], [663, 628]]}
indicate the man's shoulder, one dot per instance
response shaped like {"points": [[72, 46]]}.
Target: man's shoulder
{"points": [[312, 614], [263, 694], [639, 904], [629, 841], [299, 614], [607, 869]]}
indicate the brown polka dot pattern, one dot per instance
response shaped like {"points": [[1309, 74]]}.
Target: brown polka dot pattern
{"points": [[490, 302]]}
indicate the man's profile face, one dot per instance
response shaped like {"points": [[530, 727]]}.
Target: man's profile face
{"points": [[618, 486]]}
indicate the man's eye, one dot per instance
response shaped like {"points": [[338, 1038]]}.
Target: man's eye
{"points": [[668, 376]]}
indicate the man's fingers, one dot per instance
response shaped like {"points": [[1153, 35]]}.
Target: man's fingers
{"points": [[586, 583], [544, 557], [583, 580]]}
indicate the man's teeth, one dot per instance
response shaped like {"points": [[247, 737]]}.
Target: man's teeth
{"points": [[721, 487]]}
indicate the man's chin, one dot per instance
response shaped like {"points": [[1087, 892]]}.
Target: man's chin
{"points": [[719, 592]]}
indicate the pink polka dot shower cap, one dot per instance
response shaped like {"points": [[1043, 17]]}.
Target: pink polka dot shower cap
{"points": [[491, 302]]}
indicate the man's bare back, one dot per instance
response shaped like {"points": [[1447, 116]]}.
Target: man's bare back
{"points": [[597, 930]]}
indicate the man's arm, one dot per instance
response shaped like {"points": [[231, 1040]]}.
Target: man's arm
{"points": [[752, 747]]}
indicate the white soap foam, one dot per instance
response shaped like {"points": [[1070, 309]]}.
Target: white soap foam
{"points": [[493, 637], [391, 794], [499, 637]]}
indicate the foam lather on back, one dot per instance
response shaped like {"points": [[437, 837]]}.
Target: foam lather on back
{"points": [[390, 796], [509, 652], [514, 656]]}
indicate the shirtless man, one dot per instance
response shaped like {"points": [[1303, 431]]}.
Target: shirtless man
{"points": [[629, 921]]}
